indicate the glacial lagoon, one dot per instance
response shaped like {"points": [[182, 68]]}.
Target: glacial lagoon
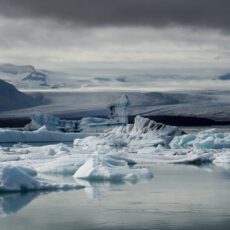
{"points": [[177, 197]]}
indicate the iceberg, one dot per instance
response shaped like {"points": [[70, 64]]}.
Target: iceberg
{"points": [[144, 132], [118, 110], [40, 135], [173, 157], [105, 168], [207, 139], [16, 179], [113, 156], [147, 141], [52, 123], [118, 116]]}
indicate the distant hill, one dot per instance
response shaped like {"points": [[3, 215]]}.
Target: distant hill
{"points": [[224, 77], [11, 98], [15, 69]]}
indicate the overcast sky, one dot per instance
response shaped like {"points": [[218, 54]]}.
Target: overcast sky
{"points": [[127, 34]]}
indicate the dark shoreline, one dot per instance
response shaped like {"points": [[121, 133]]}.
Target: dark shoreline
{"points": [[169, 120]]}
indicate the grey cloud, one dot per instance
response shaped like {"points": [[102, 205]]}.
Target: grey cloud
{"points": [[156, 13]]}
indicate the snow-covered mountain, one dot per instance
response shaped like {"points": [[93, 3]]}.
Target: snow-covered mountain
{"points": [[28, 77], [11, 98], [97, 91], [37, 76], [14, 69]]}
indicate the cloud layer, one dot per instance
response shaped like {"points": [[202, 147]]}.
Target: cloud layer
{"points": [[163, 36], [155, 13]]}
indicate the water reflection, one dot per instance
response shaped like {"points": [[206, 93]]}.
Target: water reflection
{"points": [[94, 190], [97, 189], [11, 203], [179, 197]]}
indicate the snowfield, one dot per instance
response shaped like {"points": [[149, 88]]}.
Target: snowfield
{"points": [[119, 154]]}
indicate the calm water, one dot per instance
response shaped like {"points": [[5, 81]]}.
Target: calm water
{"points": [[178, 197]]}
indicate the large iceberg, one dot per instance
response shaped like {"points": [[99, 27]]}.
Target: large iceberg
{"points": [[147, 141], [144, 132]]}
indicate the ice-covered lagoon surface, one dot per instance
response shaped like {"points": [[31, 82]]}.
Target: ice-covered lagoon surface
{"points": [[102, 188]]}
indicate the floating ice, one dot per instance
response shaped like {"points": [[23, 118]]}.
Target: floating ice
{"points": [[26, 167], [52, 123], [118, 116], [16, 179], [207, 139], [196, 157], [105, 168], [40, 135], [148, 141], [143, 132], [118, 110]]}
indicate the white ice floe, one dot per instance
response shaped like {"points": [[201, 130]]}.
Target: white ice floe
{"points": [[173, 157], [207, 139], [16, 179], [40, 135], [144, 132], [105, 168], [148, 141], [108, 157], [118, 116], [52, 123], [48, 159]]}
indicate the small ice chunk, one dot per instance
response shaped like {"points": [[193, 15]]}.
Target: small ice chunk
{"points": [[5, 158], [14, 179], [105, 168], [207, 139]]}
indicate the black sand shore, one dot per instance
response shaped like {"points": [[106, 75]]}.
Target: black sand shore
{"points": [[169, 120]]}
